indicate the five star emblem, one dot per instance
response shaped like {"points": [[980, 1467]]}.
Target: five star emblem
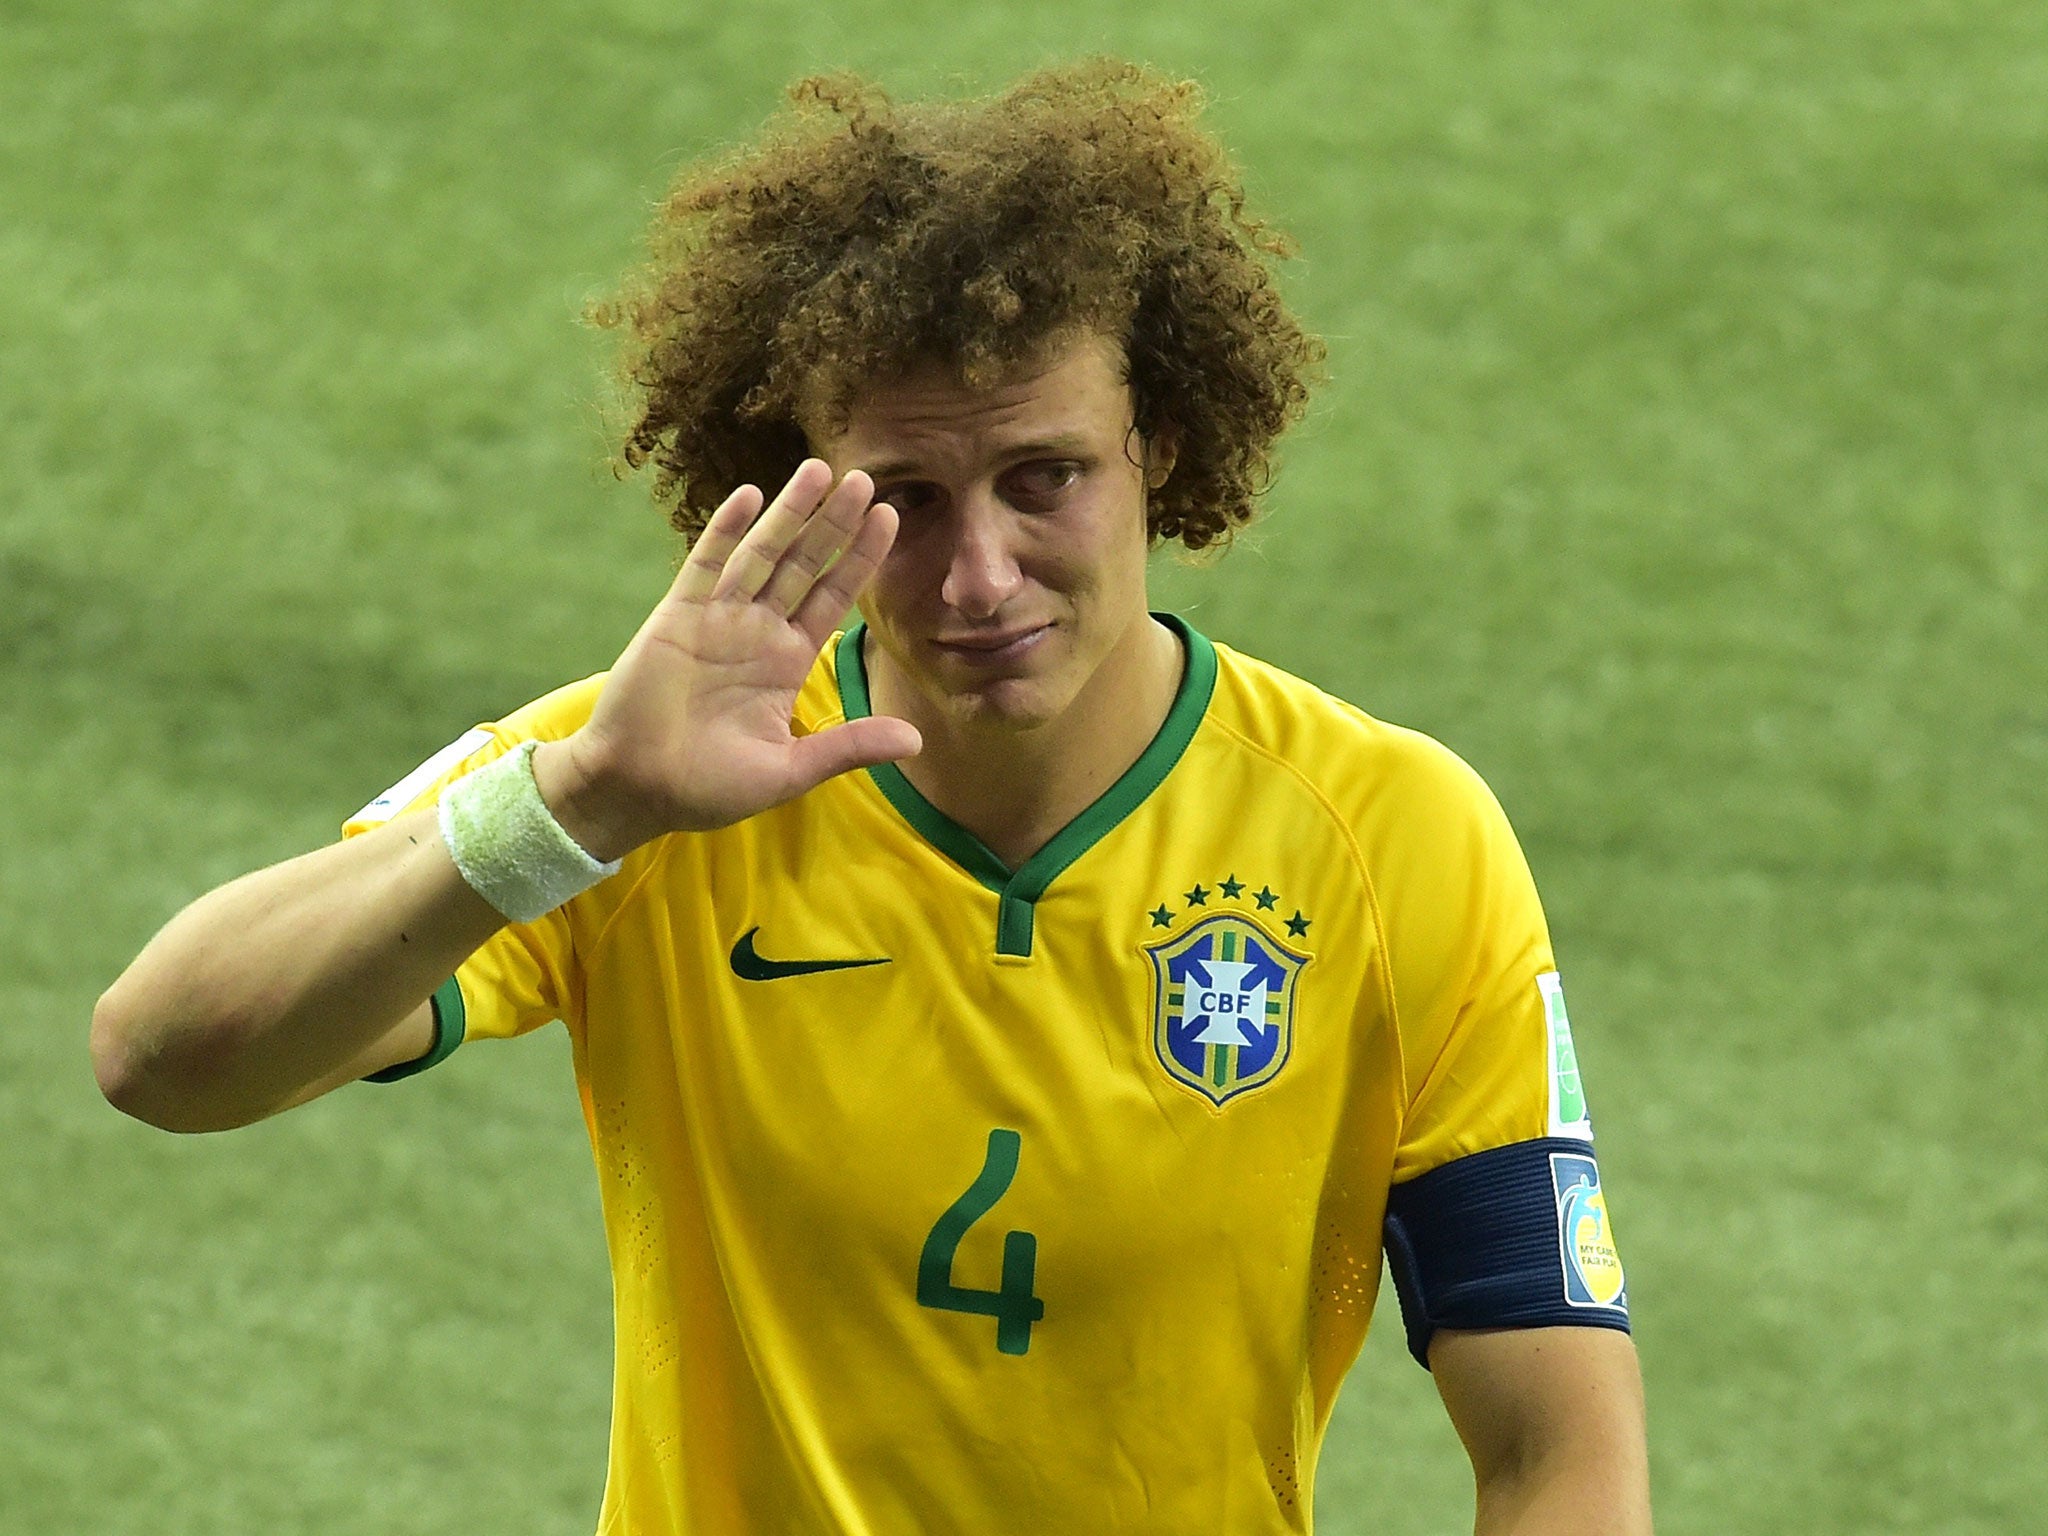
{"points": [[1230, 888]]}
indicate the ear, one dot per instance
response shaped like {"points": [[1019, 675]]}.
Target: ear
{"points": [[1162, 448]]}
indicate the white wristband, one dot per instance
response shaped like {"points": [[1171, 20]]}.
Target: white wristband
{"points": [[507, 843]]}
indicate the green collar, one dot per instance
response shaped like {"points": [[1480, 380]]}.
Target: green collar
{"points": [[1020, 889]]}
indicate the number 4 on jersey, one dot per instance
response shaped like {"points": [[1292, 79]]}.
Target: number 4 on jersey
{"points": [[1013, 1307]]}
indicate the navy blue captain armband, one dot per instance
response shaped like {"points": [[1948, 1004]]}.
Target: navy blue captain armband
{"points": [[450, 1023], [1515, 1237]]}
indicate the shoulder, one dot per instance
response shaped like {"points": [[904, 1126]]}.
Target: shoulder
{"points": [[1369, 771], [1440, 864]]}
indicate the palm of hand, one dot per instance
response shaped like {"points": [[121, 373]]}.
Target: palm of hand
{"points": [[693, 728]]}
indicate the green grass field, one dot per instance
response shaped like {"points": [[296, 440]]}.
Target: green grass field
{"points": [[1684, 465]]}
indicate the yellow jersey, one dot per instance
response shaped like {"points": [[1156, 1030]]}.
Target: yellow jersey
{"points": [[942, 1196]]}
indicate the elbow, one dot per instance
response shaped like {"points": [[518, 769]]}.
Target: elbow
{"points": [[147, 1082], [115, 1058]]}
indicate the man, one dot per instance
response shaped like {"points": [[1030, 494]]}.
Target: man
{"points": [[1008, 1027]]}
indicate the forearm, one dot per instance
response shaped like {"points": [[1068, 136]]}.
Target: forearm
{"points": [[277, 980], [293, 979]]}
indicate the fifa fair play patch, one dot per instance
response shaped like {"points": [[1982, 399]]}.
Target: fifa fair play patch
{"points": [[1585, 1237]]}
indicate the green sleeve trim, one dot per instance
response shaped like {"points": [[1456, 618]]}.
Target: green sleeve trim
{"points": [[451, 1022], [1020, 889]]}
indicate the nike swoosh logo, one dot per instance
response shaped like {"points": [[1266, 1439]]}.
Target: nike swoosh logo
{"points": [[749, 966]]}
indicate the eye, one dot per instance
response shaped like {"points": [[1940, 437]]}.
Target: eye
{"points": [[1041, 481], [908, 497]]}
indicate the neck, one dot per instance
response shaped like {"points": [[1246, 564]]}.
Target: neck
{"points": [[1014, 789]]}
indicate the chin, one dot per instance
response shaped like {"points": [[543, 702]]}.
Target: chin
{"points": [[1019, 696], [1007, 704]]}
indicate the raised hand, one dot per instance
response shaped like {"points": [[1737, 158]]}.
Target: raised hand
{"points": [[692, 729]]}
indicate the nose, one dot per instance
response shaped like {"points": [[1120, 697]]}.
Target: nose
{"points": [[982, 571]]}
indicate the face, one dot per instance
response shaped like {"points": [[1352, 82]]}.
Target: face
{"points": [[1018, 574]]}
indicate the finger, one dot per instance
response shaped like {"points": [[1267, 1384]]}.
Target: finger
{"points": [[831, 528], [722, 533], [753, 561], [820, 613], [857, 744]]}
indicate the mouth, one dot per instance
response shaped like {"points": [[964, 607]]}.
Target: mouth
{"points": [[993, 650]]}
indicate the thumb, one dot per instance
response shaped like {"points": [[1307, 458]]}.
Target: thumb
{"points": [[856, 744]]}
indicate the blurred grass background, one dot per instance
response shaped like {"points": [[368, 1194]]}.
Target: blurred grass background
{"points": [[1684, 466]]}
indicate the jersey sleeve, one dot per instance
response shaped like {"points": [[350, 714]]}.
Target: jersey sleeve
{"points": [[523, 976], [1496, 1217], [1466, 941]]}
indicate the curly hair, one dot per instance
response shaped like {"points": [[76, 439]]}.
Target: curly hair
{"points": [[860, 239]]}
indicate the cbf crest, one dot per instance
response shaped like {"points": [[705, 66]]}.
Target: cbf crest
{"points": [[1223, 1005]]}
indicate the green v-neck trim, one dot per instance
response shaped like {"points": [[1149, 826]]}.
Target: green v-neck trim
{"points": [[1018, 890]]}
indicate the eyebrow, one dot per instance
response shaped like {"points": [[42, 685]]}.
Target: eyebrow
{"points": [[1059, 445]]}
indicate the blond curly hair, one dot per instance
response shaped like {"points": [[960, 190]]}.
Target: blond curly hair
{"points": [[860, 239]]}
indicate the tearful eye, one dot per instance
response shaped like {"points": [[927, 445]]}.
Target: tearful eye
{"points": [[908, 497], [1043, 480]]}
